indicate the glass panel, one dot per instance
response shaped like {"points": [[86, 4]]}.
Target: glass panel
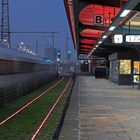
{"points": [[114, 69], [136, 67], [125, 66], [114, 66]]}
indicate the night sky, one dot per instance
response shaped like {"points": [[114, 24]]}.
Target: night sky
{"points": [[39, 15]]}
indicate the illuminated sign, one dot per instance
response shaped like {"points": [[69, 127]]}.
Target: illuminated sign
{"points": [[132, 38], [118, 39], [98, 19]]}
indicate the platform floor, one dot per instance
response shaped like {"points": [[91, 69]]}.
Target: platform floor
{"points": [[102, 110]]}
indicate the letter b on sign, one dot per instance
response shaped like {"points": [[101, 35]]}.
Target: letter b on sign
{"points": [[98, 19]]}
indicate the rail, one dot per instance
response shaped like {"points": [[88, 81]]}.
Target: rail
{"points": [[50, 112]]}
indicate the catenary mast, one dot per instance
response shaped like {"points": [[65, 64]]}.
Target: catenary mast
{"points": [[5, 24]]}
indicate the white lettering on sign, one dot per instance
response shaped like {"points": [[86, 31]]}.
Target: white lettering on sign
{"points": [[132, 38], [98, 19], [118, 39]]}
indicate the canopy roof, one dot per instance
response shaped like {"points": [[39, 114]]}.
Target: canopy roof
{"points": [[94, 38]]}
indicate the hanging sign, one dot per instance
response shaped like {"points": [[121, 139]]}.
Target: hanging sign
{"points": [[118, 39], [132, 38], [98, 19]]}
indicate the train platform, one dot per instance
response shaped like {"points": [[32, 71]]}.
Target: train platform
{"points": [[102, 110]]}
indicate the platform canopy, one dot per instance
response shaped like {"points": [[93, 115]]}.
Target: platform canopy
{"points": [[94, 23]]}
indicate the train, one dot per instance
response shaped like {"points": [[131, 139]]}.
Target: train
{"points": [[21, 73]]}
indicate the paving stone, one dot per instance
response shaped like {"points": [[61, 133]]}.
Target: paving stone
{"points": [[120, 138], [102, 110]]}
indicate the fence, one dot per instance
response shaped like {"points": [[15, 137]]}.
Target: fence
{"points": [[22, 84]]}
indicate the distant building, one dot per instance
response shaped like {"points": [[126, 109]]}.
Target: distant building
{"points": [[51, 54]]}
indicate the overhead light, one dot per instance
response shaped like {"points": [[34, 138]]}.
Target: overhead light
{"points": [[5, 40], [112, 28], [97, 46], [100, 42], [125, 13], [94, 49], [105, 36]]}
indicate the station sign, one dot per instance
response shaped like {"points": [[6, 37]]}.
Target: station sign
{"points": [[132, 38], [118, 39], [98, 19]]}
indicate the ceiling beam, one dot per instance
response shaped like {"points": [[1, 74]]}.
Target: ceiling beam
{"points": [[87, 44], [94, 27], [113, 3], [87, 37]]}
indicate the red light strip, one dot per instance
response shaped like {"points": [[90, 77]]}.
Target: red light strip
{"points": [[70, 6], [91, 32], [85, 50], [48, 115], [86, 47], [109, 12], [88, 41], [28, 104]]}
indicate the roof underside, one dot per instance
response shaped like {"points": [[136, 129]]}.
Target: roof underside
{"points": [[83, 17]]}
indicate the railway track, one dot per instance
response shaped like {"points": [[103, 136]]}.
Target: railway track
{"points": [[29, 103], [51, 110], [31, 107]]}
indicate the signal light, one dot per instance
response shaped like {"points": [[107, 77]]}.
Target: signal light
{"points": [[58, 54]]}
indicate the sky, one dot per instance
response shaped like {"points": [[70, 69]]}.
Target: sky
{"points": [[39, 16]]}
